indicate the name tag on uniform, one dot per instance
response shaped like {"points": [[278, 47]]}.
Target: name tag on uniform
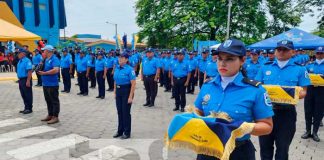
{"points": [[283, 94], [316, 79]]}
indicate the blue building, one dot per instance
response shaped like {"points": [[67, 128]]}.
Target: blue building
{"points": [[42, 17]]}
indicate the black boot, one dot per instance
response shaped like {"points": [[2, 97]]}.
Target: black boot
{"points": [[306, 135], [146, 104], [316, 138]]}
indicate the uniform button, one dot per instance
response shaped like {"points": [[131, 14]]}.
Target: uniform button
{"points": [[218, 104]]}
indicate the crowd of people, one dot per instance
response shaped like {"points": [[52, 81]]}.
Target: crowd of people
{"points": [[229, 79]]}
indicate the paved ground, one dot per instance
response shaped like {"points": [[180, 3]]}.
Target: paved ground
{"points": [[87, 125]]}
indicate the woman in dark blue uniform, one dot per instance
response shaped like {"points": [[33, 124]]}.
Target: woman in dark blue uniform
{"points": [[124, 87], [241, 98]]}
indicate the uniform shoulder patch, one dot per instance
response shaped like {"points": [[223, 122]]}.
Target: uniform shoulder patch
{"points": [[298, 64], [251, 82], [208, 80], [267, 63]]}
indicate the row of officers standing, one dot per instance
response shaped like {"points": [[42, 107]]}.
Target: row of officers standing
{"points": [[228, 83]]}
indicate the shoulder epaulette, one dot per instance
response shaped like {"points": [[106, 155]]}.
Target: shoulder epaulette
{"points": [[267, 63], [298, 64], [251, 82], [208, 80]]}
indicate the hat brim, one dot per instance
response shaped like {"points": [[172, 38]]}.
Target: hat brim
{"points": [[229, 52], [283, 46]]}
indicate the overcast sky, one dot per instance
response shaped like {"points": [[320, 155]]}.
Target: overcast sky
{"points": [[90, 16]]}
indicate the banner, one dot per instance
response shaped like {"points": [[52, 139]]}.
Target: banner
{"points": [[134, 41], [317, 79], [283, 94], [205, 135], [118, 42]]}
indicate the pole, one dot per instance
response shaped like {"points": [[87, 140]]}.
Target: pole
{"points": [[228, 18], [64, 35], [116, 28]]}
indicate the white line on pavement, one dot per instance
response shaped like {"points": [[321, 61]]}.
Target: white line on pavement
{"points": [[38, 149], [11, 122], [6, 137], [109, 152]]}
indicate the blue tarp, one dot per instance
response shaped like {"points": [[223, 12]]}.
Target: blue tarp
{"points": [[204, 45], [300, 38]]}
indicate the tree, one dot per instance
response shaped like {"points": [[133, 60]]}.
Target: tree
{"points": [[176, 23]]}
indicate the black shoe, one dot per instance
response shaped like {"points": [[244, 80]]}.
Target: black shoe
{"points": [[321, 124], [22, 111], [146, 104], [80, 93], [102, 97], [176, 109], [151, 105], [63, 91], [182, 110], [67, 91], [27, 112], [85, 94], [172, 97], [110, 90], [316, 138], [98, 97], [306, 135], [117, 135], [107, 90], [125, 136], [77, 84]]}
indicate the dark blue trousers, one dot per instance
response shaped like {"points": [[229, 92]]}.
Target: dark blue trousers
{"points": [[284, 128], [167, 80], [245, 151], [179, 91], [92, 77], [83, 82], [26, 93], [123, 109], [101, 83], [192, 82], [110, 78], [314, 108], [66, 78]]}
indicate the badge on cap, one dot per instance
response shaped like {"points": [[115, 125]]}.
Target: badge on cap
{"points": [[320, 48], [284, 42], [227, 43], [268, 73]]}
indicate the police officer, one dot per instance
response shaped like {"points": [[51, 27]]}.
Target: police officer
{"points": [[37, 60], [109, 66], [101, 71], [173, 61], [51, 84], [66, 70], [161, 60], [180, 77], [166, 71], [253, 65], [124, 88], [193, 63], [211, 67], [91, 70], [241, 98], [150, 76], [82, 71], [202, 63], [24, 74], [314, 101], [72, 53], [271, 56], [284, 72]]}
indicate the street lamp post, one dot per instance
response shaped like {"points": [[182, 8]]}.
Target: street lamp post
{"points": [[115, 24], [228, 18]]}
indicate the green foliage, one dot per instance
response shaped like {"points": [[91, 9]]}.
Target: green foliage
{"points": [[176, 23]]}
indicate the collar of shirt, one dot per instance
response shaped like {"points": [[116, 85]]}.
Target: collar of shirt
{"points": [[282, 64], [236, 80], [226, 80], [319, 61]]}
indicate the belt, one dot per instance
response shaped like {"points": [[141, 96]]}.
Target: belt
{"points": [[178, 78], [149, 76], [283, 107], [123, 86]]}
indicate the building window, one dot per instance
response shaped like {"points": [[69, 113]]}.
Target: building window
{"points": [[28, 4], [42, 6]]}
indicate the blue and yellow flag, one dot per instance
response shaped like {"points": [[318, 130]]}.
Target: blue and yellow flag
{"points": [[317, 79], [205, 135], [118, 42], [134, 41], [283, 94]]}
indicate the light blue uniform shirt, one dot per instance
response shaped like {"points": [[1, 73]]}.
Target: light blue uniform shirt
{"points": [[150, 66], [91, 62], [211, 68], [100, 65], [110, 62], [37, 58], [180, 69], [252, 68], [241, 101], [66, 61], [50, 63], [193, 63], [290, 75], [124, 75], [202, 64], [315, 68], [82, 64], [167, 63], [24, 65]]}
